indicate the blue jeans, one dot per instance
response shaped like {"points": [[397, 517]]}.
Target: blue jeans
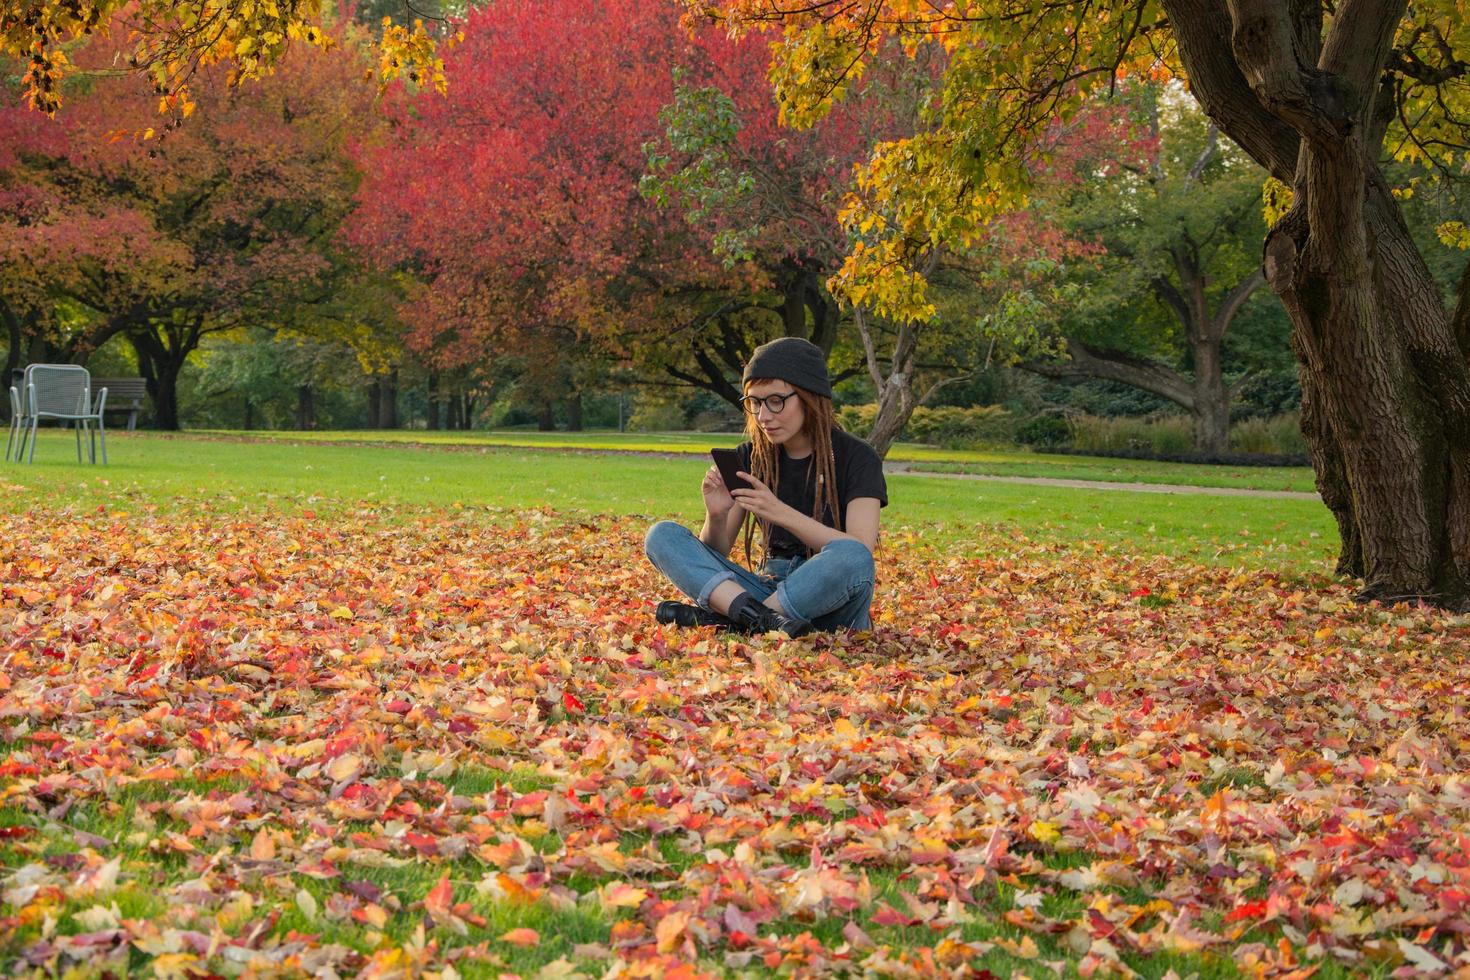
{"points": [[831, 589]]}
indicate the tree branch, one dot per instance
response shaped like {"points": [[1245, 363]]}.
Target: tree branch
{"points": [[717, 385], [1171, 296], [944, 383], [1186, 260], [1358, 44], [1212, 146], [1115, 365], [1234, 300], [1263, 40], [1202, 29], [870, 353]]}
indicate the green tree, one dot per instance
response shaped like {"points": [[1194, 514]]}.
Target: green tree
{"points": [[1178, 221]]}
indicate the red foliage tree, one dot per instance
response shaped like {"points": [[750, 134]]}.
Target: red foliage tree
{"points": [[516, 200], [225, 220]]}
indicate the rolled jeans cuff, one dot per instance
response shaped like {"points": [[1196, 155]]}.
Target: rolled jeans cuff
{"points": [[710, 587], [785, 599]]}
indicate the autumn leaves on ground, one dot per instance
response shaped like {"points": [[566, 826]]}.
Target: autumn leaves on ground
{"points": [[285, 745]]}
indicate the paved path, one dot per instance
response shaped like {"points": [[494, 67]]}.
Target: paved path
{"points": [[905, 469]]}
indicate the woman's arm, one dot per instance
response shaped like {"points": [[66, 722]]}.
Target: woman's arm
{"points": [[861, 522], [722, 516]]}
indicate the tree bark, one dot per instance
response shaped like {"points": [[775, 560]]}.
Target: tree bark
{"points": [[793, 306], [305, 408], [374, 403], [433, 402], [165, 394], [388, 401], [546, 420], [895, 389], [1211, 410], [896, 401], [1385, 370], [12, 350], [160, 365], [574, 412]]}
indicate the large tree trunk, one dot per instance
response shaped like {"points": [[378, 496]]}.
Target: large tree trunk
{"points": [[793, 306], [1208, 399], [433, 404], [159, 367], [165, 393], [305, 408], [545, 419], [807, 309], [1389, 425], [1211, 413], [1385, 375], [388, 401], [374, 391], [574, 412]]}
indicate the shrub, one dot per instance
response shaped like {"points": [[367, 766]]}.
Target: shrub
{"points": [[959, 428], [1163, 434], [1044, 431], [857, 419], [1112, 399], [1279, 435], [654, 414]]}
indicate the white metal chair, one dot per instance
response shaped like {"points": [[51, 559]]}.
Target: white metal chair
{"points": [[64, 392]]}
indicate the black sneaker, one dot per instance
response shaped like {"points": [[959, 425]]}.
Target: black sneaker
{"points": [[674, 613], [750, 616]]}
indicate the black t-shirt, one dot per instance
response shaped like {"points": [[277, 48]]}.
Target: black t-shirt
{"points": [[859, 474]]}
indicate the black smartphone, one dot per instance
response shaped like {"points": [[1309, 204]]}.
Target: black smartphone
{"points": [[728, 460]]}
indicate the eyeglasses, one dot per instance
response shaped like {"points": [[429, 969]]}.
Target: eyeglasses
{"points": [[774, 403]]}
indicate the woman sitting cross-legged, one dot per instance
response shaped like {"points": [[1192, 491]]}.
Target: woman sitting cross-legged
{"points": [[814, 493]]}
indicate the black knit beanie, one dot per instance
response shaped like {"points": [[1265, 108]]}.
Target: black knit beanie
{"points": [[792, 359]]}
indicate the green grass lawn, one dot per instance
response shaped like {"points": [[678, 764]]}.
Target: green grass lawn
{"points": [[186, 471], [918, 456], [304, 622]]}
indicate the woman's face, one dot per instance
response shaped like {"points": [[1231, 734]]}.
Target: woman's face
{"points": [[780, 426]]}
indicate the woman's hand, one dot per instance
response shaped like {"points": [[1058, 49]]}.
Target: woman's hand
{"points": [[760, 501], [717, 499]]}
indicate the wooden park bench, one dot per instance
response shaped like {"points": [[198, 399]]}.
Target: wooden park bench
{"points": [[123, 395]]}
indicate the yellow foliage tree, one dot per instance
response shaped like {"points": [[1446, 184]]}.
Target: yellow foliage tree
{"points": [[174, 40]]}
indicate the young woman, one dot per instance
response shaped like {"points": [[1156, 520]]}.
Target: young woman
{"points": [[814, 495]]}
